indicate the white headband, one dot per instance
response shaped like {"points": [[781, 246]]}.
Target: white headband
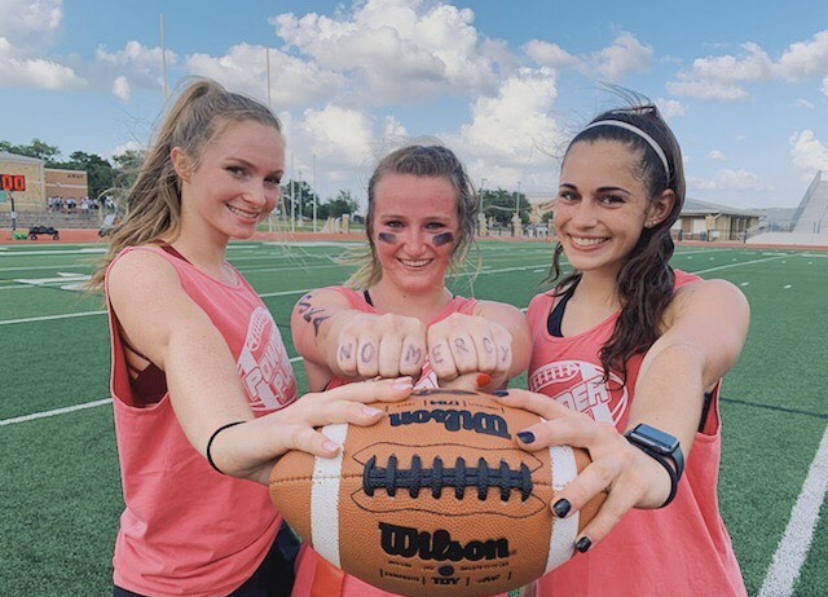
{"points": [[634, 129]]}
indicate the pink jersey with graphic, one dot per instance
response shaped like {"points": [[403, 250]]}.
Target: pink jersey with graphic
{"points": [[186, 529], [682, 550], [315, 576]]}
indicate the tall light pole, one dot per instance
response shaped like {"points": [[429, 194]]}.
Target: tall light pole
{"points": [[517, 201], [315, 194]]}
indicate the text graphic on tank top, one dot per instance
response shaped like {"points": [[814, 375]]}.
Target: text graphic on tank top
{"points": [[264, 366], [579, 385]]}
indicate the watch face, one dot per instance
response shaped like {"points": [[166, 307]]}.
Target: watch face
{"points": [[661, 442]]}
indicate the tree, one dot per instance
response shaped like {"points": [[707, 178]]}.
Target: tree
{"points": [[344, 203], [500, 205], [36, 149]]}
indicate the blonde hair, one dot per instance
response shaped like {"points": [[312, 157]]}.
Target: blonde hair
{"points": [[202, 112], [419, 160]]}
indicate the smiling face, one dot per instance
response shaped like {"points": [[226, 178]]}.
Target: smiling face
{"points": [[415, 228], [603, 206], [235, 184]]}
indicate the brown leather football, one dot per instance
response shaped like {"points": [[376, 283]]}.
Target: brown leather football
{"points": [[436, 499]]}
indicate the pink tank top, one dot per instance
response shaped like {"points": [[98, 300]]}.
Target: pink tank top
{"points": [[682, 550], [186, 529], [315, 576]]}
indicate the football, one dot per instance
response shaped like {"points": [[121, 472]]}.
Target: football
{"points": [[435, 499]]}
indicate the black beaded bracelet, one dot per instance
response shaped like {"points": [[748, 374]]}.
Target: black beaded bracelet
{"points": [[665, 462], [210, 443]]}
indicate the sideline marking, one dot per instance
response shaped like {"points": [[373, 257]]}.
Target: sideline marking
{"points": [[793, 548], [741, 263], [69, 409]]}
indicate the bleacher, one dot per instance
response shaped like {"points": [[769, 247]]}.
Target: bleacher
{"points": [[59, 220], [809, 223], [812, 214]]}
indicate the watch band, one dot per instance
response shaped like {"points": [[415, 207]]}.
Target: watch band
{"points": [[664, 449], [662, 460]]}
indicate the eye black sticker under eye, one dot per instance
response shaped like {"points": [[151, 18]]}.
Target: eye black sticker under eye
{"points": [[443, 239], [387, 237]]}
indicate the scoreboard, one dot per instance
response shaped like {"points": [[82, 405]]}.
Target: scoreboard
{"points": [[12, 182]]}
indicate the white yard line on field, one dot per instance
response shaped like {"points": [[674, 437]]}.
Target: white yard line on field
{"points": [[740, 264], [70, 409], [793, 548]]}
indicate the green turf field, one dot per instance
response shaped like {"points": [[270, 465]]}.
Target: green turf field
{"points": [[60, 494]]}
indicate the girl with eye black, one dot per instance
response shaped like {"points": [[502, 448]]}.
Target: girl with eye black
{"points": [[396, 316], [632, 354]]}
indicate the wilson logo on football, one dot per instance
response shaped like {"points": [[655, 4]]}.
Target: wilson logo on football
{"points": [[454, 420], [408, 542]]}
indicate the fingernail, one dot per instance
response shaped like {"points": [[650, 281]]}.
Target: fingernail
{"points": [[583, 544], [501, 393], [483, 380], [527, 437], [562, 507], [330, 446], [370, 411], [402, 385]]}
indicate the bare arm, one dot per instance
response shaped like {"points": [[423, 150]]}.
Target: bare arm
{"points": [[163, 323], [705, 329]]}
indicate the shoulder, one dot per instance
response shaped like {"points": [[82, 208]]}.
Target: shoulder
{"points": [[330, 296], [495, 308], [697, 297], [141, 267]]}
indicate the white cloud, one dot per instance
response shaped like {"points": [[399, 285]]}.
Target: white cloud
{"points": [[670, 108], [513, 123], [549, 54], [17, 70], [30, 22], [339, 135], [120, 88], [805, 59], [825, 86], [625, 55], [509, 132], [803, 103], [723, 77], [717, 155], [130, 145], [293, 82], [729, 180], [397, 50], [808, 153]]}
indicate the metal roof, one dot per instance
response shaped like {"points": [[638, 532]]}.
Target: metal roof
{"points": [[5, 156]]}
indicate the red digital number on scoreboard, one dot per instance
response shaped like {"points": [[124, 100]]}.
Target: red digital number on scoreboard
{"points": [[13, 182]]}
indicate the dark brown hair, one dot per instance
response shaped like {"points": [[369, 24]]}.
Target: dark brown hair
{"points": [[420, 160], [645, 283]]}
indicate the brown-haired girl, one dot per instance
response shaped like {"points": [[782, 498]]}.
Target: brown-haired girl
{"points": [[633, 353], [397, 317], [203, 392]]}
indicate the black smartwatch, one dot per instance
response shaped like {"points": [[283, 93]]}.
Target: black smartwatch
{"points": [[662, 447]]}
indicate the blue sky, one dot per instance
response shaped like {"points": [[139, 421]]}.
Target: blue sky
{"points": [[744, 86]]}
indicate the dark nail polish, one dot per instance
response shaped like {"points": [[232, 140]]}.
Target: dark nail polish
{"points": [[562, 507], [527, 437], [501, 393], [583, 544]]}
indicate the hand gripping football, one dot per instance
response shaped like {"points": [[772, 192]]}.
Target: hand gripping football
{"points": [[436, 499]]}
